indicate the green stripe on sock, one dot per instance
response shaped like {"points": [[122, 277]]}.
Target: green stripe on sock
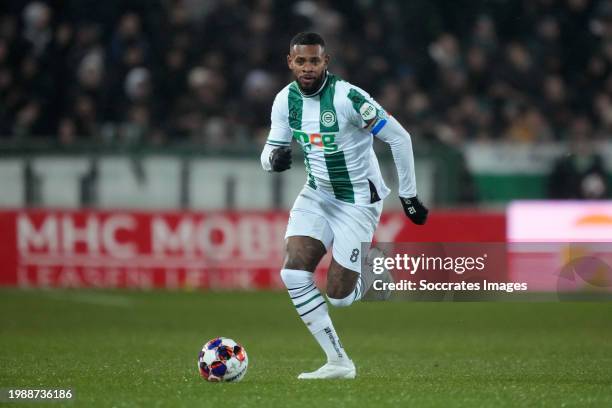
{"points": [[309, 300]]}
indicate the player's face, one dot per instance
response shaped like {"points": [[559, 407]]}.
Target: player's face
{"points": [[308, 64]]}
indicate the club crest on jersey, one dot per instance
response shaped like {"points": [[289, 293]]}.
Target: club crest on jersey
{"points": [[328, 118]]}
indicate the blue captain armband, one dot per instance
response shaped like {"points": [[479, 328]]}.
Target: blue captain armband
{"points": [[379, 123]]}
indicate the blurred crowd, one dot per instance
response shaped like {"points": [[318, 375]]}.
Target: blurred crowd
{"points": [[164, 71]]}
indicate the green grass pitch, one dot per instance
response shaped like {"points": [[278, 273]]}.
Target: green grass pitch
{"points": [[139, 349]]}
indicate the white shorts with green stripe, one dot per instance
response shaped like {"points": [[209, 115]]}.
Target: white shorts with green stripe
{"points": [[341, 225]]}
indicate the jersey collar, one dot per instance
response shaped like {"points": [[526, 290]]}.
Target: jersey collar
{"points": [[318, 91]]}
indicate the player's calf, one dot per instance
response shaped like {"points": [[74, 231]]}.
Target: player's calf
{"points": [[344, 286], [341, 285]]}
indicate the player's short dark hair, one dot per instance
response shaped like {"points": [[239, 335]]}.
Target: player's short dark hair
{"points": [[307, 38]]}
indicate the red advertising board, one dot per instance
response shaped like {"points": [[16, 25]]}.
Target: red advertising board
{"points": [[219, 250]]}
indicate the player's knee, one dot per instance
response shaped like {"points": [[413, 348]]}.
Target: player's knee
{"points": [[296, 263], [303, 253]]}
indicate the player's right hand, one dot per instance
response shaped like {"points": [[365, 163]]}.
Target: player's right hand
{"points": [[280, 158]]}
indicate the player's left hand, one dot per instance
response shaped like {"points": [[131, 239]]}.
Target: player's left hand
{"points": [[415, 210]]}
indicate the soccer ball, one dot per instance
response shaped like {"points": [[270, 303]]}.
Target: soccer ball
{"points": [[222, 359]]}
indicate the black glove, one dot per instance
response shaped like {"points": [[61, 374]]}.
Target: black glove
{"points": [[415, 210], [280, 158]]}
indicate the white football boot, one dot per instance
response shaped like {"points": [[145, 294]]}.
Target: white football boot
{"points": [[368, 277], [331, 370]]}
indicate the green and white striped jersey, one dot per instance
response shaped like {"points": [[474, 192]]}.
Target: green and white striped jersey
{"points": [[335, 128]]}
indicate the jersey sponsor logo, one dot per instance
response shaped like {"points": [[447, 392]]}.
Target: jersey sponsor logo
{"points": [[328, 118], [325, 141], [367, 111]]}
